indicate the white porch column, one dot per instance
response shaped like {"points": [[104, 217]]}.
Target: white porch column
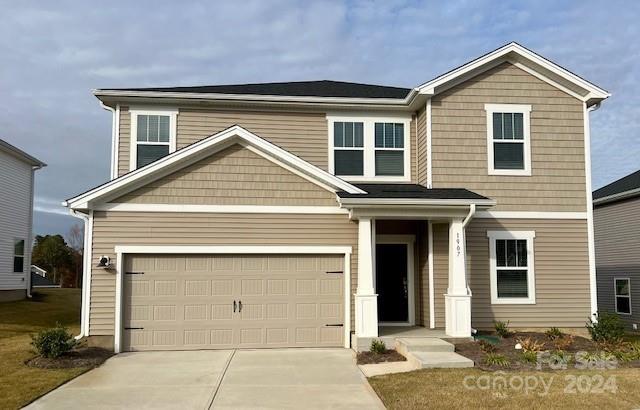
{"points": [[458, 297], [366, 299]]}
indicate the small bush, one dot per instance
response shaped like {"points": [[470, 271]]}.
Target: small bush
{"points": [[378, 346], [502, 328], [496, 359], [531, 345], [486, 346], [559, 359], [554, 333], [634, 350], [54, 342], [564, 342], [530, 357], [605, 327]]}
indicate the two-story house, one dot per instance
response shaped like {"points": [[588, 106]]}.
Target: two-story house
{"points": [[317, 213], [17, 178]]}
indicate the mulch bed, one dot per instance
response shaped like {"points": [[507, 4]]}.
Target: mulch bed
{"points": [[81, 357], [506, 347], [387, 356]]}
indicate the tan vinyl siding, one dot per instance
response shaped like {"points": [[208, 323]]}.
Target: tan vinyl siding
{"points": [[459, 144], [124, 142], [137, 228], [421, 167], [617, 233], [233, 176], [561, 273]]}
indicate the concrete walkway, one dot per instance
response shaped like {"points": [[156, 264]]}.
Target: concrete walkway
{"points": [[268, 378]]}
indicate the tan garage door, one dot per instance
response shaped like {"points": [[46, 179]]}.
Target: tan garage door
{"points": [[179, 302]]}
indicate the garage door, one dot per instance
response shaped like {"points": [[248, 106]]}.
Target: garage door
{"points": [[180, 302]]}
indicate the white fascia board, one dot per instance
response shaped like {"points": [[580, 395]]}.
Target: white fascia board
{"points": [[232, 249], [219, 139], [594, 90]]}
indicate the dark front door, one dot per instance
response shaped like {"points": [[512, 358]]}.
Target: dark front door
{"points": [[392, 283]]}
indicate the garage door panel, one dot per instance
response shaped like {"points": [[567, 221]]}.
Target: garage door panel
{"points": [[176, 302]]}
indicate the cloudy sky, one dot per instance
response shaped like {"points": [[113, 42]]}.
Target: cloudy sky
{"points": [[54, 53]]}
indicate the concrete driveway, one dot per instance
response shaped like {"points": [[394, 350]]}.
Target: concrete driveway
{"points": [[268, 378]]}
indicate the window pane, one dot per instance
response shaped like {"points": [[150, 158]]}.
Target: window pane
{"points": [[507, 125], [622, 287], [512, 283], [508, 155], [497, 126], [163, 131], [358, 134], [348, 134], [18, 264], [501, 252], [390, 163], [18, 247], [388, 135], [348, 162], [518, 126], [153, 128], [623, 305], [146, 154], [338, 134], [511, 252], [399, 134], [379, 135], [142, 127], [521, 245]]}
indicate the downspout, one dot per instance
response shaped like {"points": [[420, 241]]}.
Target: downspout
{"points": [[86, 266], [590, 229], [465, 222]]}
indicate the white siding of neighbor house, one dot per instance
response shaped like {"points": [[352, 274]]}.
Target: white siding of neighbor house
{"points": [[15, 211]]}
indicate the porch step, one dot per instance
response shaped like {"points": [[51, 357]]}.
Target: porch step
{"points": [[438, 360], [406, 345]]}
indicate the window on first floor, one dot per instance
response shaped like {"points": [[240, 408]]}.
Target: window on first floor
{"points": [[511, 267], [508, 139], [623, 295], [18, 256], [153, 136]]}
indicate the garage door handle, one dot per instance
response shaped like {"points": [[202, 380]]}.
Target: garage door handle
{"points": [[239, 306], [234, 306], [335, 325]]}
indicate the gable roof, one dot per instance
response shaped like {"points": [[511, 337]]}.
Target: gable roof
{"points": [[623, 188], [199, 150], [21, 155]]}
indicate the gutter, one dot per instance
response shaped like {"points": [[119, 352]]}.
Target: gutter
{"points": [[86, 273]]}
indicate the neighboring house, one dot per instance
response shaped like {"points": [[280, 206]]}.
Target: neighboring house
{"points": [[38, 281], [36, 270], [17, 174], [616, 218], [313, 213]]}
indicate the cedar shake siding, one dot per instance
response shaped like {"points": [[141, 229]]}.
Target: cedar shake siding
{"points": [[459, 132], [561, 274], [154, 228], [617, 241], [233, 176]]}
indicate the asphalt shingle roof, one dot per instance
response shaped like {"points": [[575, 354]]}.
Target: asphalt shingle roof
{"points": [[411, 191], [628, 183]]}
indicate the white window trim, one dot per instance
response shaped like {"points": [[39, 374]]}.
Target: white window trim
{"points": [[173, 125], [369, 147], [525, 110], [616, 296], [23, 256], [531, 277]]}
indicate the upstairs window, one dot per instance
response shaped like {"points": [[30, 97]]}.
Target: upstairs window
{"points": [[508, 139], [369, 149], [623, 295], [511, 270], [153, 136], [18, 256]]}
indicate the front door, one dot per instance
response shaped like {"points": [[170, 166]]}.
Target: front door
{"points": [[392, 282]]}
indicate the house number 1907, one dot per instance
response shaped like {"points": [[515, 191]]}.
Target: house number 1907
{"points": [[458, 244]]}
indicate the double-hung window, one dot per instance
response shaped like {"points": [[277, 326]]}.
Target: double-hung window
{"points": [[623, 295], [369, 148], [18, 255], [508, 139], [512, 276], [153, 136]]}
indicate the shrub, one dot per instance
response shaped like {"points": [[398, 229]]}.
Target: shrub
{"points": [[496, 359], [564, 342], [53, 342], [554, 333], [378, 346], [486, 346], [634, 350], [605, 327], [530, 357], [559, 359], [531, 345], [502, 328]]}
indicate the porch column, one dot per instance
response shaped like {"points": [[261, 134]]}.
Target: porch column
{"points": [[458, 297], [366, 299]]}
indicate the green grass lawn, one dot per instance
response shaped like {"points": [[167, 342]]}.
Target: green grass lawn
{"points": [[445, 389], [20, 384]]}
